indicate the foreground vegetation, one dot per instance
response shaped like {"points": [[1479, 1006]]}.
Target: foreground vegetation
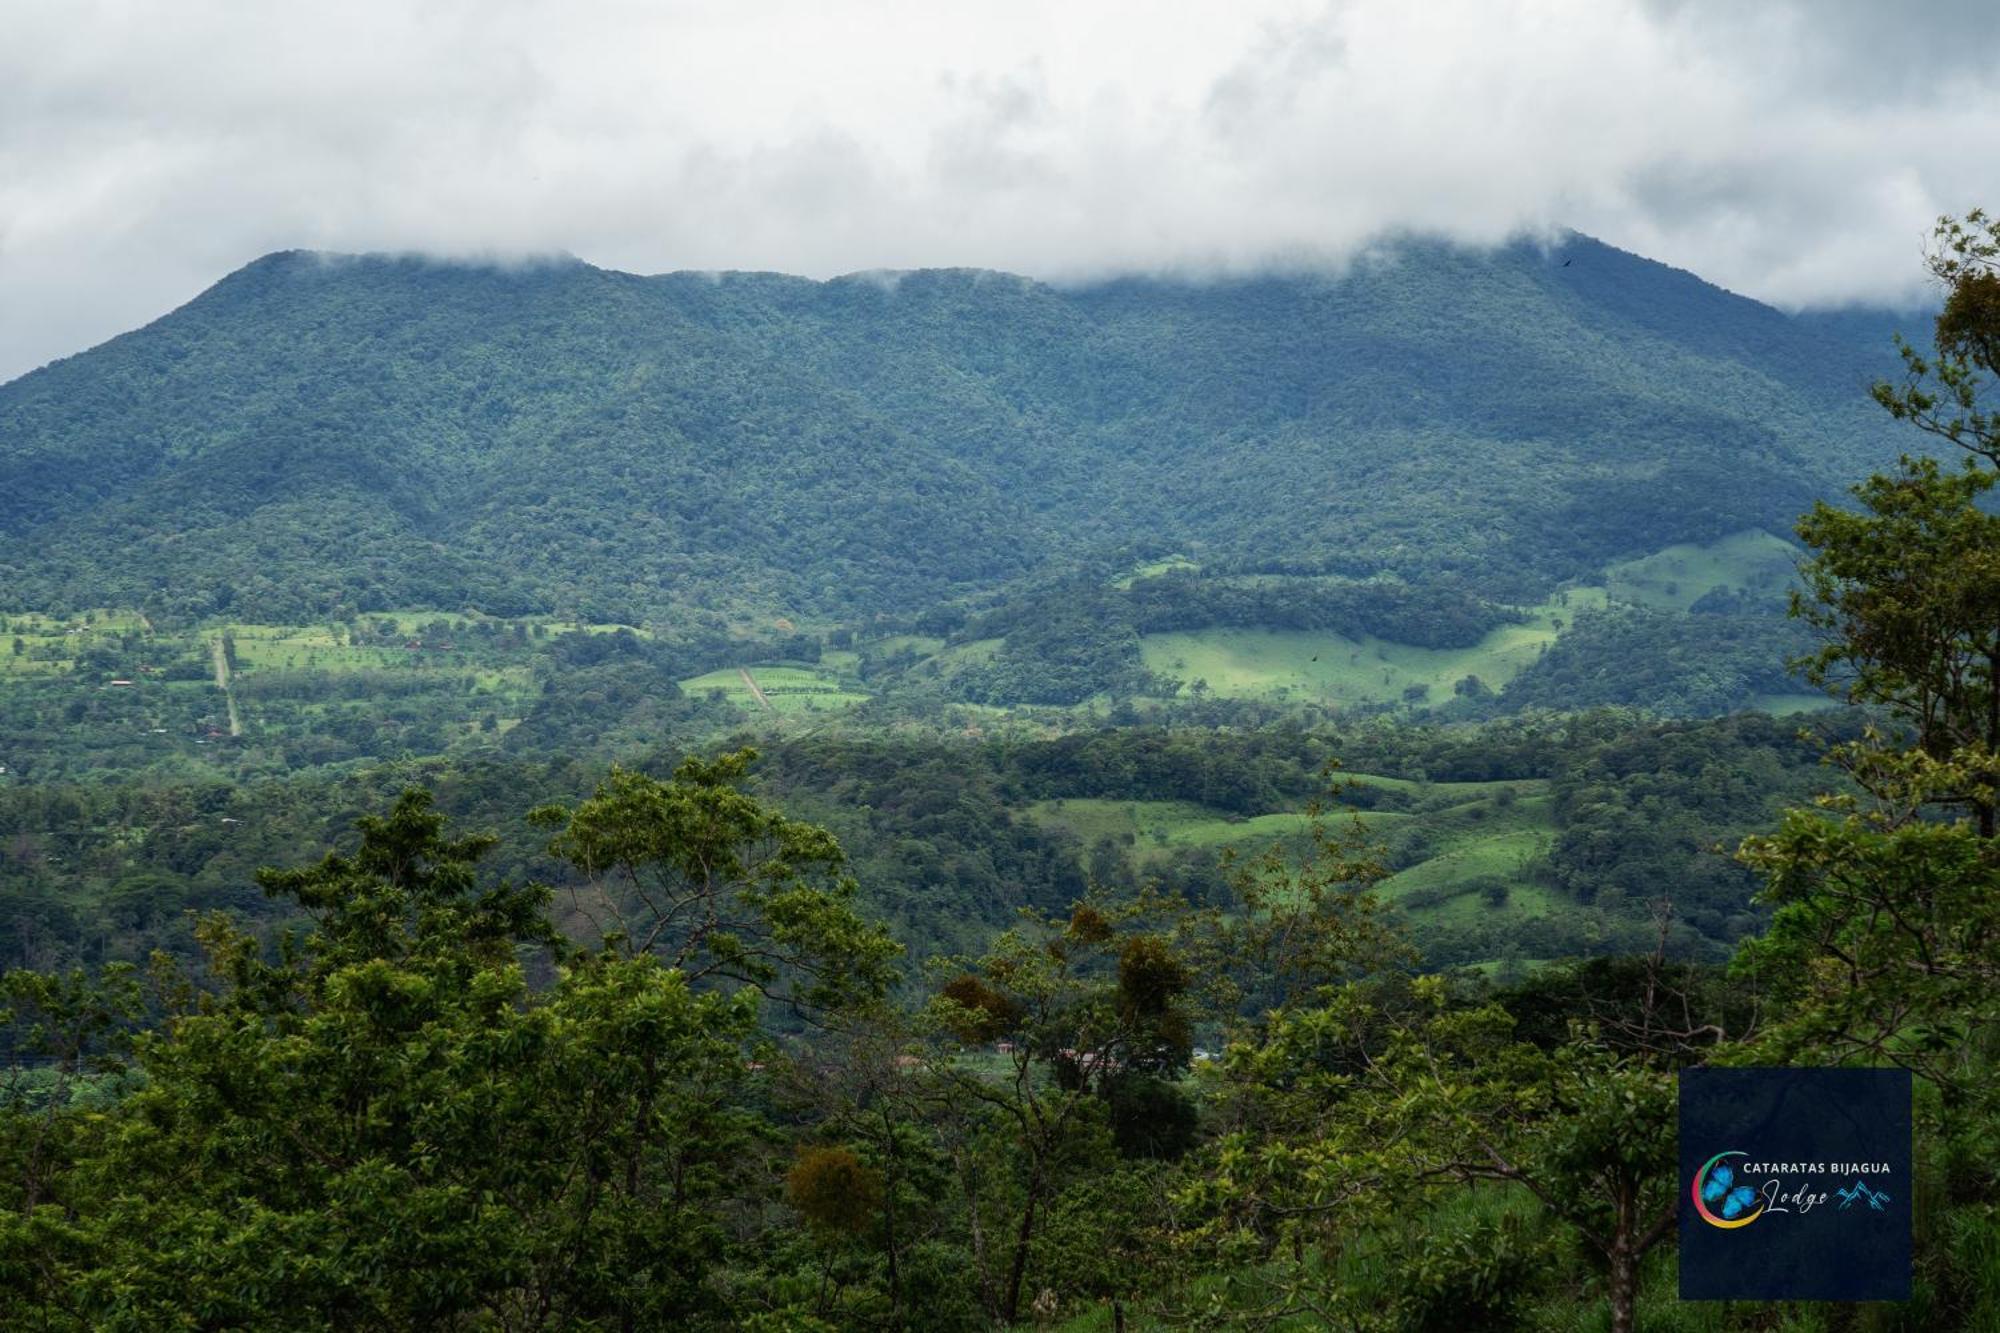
{"points": [[706, 1106]]}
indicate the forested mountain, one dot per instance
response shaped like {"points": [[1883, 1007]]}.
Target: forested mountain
{"points": [[317, 436]]}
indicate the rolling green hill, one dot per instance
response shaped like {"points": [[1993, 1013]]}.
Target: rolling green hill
{"points": [[319, 436]]}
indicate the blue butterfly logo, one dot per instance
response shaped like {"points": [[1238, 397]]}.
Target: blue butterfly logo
{"points": [[1718, 1186]]}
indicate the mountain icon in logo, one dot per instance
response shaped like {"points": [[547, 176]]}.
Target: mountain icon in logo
{"points": [[1876, 1198]]}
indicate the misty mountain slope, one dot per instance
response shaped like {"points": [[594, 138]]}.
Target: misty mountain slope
{"points": [[315, 436]]}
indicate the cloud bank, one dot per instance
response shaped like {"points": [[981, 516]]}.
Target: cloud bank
{"points": [[1796, 152]]}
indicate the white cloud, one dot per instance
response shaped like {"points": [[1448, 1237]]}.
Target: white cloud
{"points": [[1793, 152]]}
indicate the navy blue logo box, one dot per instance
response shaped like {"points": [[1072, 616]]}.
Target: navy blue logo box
{"points": [[1795, 1184]]}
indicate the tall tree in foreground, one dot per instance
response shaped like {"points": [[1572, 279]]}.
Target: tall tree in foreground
{"points": [[1061, 1026], [1885, 946], [1907, 590], [1940, 392], [1886, 941]]}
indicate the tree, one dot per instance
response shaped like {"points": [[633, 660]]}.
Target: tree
{"points": [[1908, 593], [65, 1039], [833, 1189], [860, 1085], [1940, 392], [1306, 917], [1886, 940], [1884, 943], [1355, 1117], [721, 887], [1358, 1099], [1072, 1007]]}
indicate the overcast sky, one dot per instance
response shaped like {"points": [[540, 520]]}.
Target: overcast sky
{"points": [[1796, 153]]}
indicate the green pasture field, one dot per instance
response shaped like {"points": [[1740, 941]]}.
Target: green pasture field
{"points": [[1318, 666], [285, 651], [1153, 569], [975, 652], [1158, 827], [1452, 793], [1784, 705], [790, 690], [1677, 577], [1472, 842], [50, 644], [923, 645], [1499, 856], [411, 621]]}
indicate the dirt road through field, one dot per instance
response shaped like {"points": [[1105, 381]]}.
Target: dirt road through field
{"points": [[751, 682], [221, 660]]}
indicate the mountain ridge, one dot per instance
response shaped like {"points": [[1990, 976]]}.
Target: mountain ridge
{"points": [[316, 436]]}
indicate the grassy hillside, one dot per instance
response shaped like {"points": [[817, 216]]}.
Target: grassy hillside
{"points": [[1153, 829], [1755, 567], [1505, 842], [109, 693], [1334, 669], [1469, 854]]}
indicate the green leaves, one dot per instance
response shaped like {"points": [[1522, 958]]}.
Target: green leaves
{"points": [[1908, 593], [1940, 394], [411, 891], [1350, 1127], [702, 875], [385, 1125], [1886, 943]]}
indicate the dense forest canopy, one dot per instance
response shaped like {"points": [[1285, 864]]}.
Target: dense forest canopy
{"points": [[319, 436]]}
